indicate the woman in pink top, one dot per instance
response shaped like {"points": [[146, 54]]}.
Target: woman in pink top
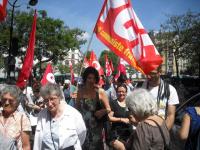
{"points": [[14, 126]]}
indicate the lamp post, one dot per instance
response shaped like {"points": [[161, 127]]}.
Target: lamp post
{"points": [[10, 57]]}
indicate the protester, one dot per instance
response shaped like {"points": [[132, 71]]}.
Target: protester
{"points": [[151, 131], [93, 104], [190, 128], [164, 93], [121, 128], [14, 126], [59, 126]]}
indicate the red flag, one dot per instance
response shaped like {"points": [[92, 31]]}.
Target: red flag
{"points": [[94, 63], [86, 63], [121, 69], [120, 29], [28, 60], [107, 66], [71, 72], [3, 4], [111, 65], [48, 76]]}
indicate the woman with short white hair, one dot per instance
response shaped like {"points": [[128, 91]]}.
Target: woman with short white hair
{"points": [[151, 131]]}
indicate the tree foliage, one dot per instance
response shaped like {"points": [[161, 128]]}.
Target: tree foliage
{"points": [[53, 38]]}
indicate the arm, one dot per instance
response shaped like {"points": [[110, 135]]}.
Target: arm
{"points": [[77, 99], [185, 126], [170, 116], [116, 119], [25, 140], [104, 99], [80, 127]]}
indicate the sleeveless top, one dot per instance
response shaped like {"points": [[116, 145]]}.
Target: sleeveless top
{"points": [[93, 139], [191, 142]]}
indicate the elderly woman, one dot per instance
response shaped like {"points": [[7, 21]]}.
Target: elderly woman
{"points": [[59, 126], [15, 127], [93, 103], [151, 131]]}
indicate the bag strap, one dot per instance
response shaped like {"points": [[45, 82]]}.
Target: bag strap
{"points": [[161, 132]]}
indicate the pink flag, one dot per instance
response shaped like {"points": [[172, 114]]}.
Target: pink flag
{"points": [[28, 60], [3, 4], [48, 76], [119, 28], [71, 72], [95, 63], [107, 66]]}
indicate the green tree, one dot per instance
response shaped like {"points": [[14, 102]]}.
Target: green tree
{"points": [[53, 38], [111, 56], [182, 36]]}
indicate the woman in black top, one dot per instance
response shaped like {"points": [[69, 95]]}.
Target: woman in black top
{"points": [[121, 128]]}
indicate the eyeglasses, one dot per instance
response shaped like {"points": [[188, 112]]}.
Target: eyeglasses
{"points": [[50, 99], [10, 101]]}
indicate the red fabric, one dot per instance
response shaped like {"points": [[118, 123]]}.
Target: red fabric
{"points": [[95, 63], [121, 69], [111, 65], [48, 76], [86, 63], [119, 28], [72, 73], [107, 66], [3, 10], [28, 60]]}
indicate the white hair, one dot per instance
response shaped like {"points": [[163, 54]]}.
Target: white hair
{"points": [[141, 103]]}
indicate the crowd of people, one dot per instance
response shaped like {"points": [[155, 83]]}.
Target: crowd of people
{"points": [[89, 116]]}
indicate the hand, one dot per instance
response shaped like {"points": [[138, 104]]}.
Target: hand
{"points": [[100, 113], [74, 95], [125, 120]]}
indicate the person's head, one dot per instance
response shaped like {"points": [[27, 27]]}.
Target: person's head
{"points": [[122, 78], [52, 95], [67, 83], [141, 104], [121, 92], [154, 76], [36, 89], [10, 98], [90, 76]]}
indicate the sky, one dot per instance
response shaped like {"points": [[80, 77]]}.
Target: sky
{"points": [[83, 14]]}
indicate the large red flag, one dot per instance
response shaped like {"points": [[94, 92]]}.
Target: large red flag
{"points": [[107, 66], [95, 63], [3, 4], [48, 76], [71, 72], [28, 60], [120, 29]]}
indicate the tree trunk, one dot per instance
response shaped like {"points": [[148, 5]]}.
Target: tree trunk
{"points": [[177, 67]]}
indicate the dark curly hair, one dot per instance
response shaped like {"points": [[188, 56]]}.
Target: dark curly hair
{"points": [[122, 85], [90, 70]]}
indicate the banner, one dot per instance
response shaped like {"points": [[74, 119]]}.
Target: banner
{"points": [[48, 76], [3, 4], [28, 60], [119, 28]]}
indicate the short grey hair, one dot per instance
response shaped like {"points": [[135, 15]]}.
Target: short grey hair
{"points": [[141, 103], [13, 90], [51, 89]]}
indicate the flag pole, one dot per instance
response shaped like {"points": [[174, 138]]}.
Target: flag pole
{"points": [[88, 47]]}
